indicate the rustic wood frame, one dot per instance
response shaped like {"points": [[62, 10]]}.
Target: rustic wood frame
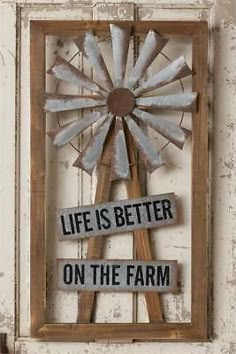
{"points": [[197, 329]]}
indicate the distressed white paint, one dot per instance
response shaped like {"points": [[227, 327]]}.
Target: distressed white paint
{"points": [[223, 176], [7, 167]]}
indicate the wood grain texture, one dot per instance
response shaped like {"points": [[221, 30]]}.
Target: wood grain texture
{"points": [[128, 331], [197, 330], [71, 28], [142, 242], [95, 244], [37, 212], [200, 186]]}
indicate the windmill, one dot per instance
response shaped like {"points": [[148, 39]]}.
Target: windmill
{"points": [[120, 106]]}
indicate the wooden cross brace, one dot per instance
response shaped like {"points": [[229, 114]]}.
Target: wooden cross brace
{"points": [[142, 242]]}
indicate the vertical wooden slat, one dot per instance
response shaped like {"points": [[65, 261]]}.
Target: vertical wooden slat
{"points": [[142, 242], [95, 244], [37, 214], [200, 185]]}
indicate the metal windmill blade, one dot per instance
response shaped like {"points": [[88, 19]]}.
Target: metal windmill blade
{"points": [[121, 159], [119, 101], [89, 47]]}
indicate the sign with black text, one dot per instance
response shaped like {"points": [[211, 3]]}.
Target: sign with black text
{"points": [[117, 216], [117, 275]]}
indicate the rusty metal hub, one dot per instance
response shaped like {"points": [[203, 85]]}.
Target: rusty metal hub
{"points": [[120, 102]]}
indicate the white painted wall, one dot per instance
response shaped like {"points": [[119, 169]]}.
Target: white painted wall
{"points": [[222, 72]]}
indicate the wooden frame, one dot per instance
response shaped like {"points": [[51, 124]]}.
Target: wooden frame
{"points": [[197, 330]]}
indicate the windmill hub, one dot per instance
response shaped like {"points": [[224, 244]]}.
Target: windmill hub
{"points": [[120, 102]]}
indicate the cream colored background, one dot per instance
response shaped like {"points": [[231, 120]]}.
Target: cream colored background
{"points": [[14, 171]]}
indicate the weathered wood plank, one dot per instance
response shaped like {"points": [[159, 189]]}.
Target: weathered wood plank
{"points": [[137, 331], [95, 244], [200, 186], [142, 243], [74, 28], [37, 213]]}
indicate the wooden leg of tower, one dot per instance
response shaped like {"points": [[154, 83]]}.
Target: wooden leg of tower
{"points": [[142, 242], [95, 244]]}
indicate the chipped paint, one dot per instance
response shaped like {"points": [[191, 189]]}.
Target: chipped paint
{"points": [[7, 322], [225, 13], [106, 10]]}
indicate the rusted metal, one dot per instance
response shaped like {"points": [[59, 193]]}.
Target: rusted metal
{"points": [[63, 135], [176, 70], [152, 46], [174, 133], [116, 275], [60, 103], [120, 102], [89, 47], [120, 161], [93, 151], [3, 343], [185, 102], [151, 158], [120, 38], [117, 216], [63, 70]]}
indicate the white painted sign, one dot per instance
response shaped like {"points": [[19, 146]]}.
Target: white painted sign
{"points": [[117, 275], [115, 217]]}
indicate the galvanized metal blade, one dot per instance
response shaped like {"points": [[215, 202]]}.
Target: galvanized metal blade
{"points": [[59, 103], [89, 47], [151, 158], [93, 151], [120, 161], [67, 72], [63, 135], [174, 133], [120, 37], [152, 46], [176, 70], [186, 102]]}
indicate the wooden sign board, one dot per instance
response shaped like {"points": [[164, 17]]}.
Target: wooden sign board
{"points": [[118, 275], [118, 216]]}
